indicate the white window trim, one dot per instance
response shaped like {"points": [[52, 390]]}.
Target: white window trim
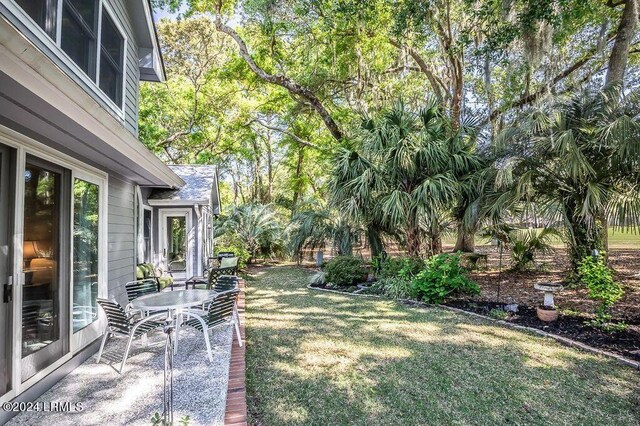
{"points": [[163, 214], [55, 47], [89, 333], [24, 146]]}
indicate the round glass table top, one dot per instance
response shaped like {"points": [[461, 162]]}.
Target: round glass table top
{"points": [[172, 299]]}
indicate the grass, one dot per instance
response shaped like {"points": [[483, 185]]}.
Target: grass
{"points": [[317, 358], [618, 239]]}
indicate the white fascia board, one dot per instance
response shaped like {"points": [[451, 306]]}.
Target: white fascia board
{"points": [[162, 203], [27, 65]]}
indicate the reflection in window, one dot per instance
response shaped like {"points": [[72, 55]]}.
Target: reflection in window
{"points": [[146, 229], [85, 253], [79, 22], [111, 53], [43, 13], [40, 298]]}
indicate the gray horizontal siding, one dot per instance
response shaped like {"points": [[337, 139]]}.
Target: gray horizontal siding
{"points": [[121, 237], [132, 73]]}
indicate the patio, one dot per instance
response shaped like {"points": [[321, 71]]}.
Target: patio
{"points": [[200, 387]]}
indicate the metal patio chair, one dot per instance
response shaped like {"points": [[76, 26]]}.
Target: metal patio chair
{"points": [[222, 310], [121, 325], [139, 288]]}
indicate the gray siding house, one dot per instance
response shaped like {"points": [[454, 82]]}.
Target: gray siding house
{"points": [[75, 182]]}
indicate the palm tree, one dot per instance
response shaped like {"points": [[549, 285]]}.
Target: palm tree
{"points": [[312, 229], [578, 161], [256, 225], [402, 175]]}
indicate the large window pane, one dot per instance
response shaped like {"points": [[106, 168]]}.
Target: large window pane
{"points": [[43, 13], [85, 253], [41, 253], [79, 33], [111, 59]]}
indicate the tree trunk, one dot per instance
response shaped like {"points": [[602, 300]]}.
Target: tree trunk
{"points": [[414, 239], [466, 240], [375, 242], [298, 178], [269, 196], [620, 51], [435, 241]]}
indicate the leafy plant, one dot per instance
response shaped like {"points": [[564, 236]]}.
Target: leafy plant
{"points": [[526, 244], [256, 226], [396, 266], [232, 243], [598, 278], [157, 420], [396, 287], [442, 276], [344, 271], [498, 314]]}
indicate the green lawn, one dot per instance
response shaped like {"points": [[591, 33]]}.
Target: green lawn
{"points": [[618, 239], [326, 359]]}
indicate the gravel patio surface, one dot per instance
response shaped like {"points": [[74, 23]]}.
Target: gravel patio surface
{"points": [[106, 397]]}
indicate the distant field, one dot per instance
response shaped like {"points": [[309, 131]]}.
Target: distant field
{"points": [[618, 239]]}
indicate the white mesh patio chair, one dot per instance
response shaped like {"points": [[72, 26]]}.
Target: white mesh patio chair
{"points": [[121, 325]]}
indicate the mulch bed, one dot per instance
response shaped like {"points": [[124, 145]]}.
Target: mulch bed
{"points": [[510, 287], [625, 343]]}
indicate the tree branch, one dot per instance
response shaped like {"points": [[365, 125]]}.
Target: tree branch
{"points": [[285, 132], [434, 81], [280, 80], [532, 97]]}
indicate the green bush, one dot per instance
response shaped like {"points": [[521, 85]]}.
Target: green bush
{"points": [[345, 271], [400, 266], [233, 244], [442, 277], [396, 287], [598, 278]]}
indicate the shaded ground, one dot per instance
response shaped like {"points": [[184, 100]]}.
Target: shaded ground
{"points": [[316, 358], [108, 398]]}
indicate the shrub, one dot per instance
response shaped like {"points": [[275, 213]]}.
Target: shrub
{"points": [[442, 276], [233, 244], [396, 266], [527, 244], [318, 279], [396, 287], [498, 314], [598, 278], [344, 271]]}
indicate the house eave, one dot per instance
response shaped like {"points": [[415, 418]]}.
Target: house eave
{"points": [[34, 87]]}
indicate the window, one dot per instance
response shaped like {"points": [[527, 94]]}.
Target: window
{"points": [[111, 59], [79, 33], [43, 13], [86, 208], [95, 44], [146, 236]]}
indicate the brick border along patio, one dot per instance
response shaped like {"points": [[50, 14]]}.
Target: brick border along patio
{"points": [[236, 409]]}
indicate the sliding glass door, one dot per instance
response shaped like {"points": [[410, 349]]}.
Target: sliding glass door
{"points": [[45, 320], [7, 164]]}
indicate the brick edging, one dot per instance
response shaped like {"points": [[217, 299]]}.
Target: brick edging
{"points": [[560, 339], [236, 407]]}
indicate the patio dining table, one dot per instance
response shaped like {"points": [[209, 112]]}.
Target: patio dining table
{"points": [[175, 302]]}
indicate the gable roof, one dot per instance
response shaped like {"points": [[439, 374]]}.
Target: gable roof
{"points": [[201, 187]]}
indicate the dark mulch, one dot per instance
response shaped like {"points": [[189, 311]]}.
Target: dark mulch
{"points": [[626, 343]]}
